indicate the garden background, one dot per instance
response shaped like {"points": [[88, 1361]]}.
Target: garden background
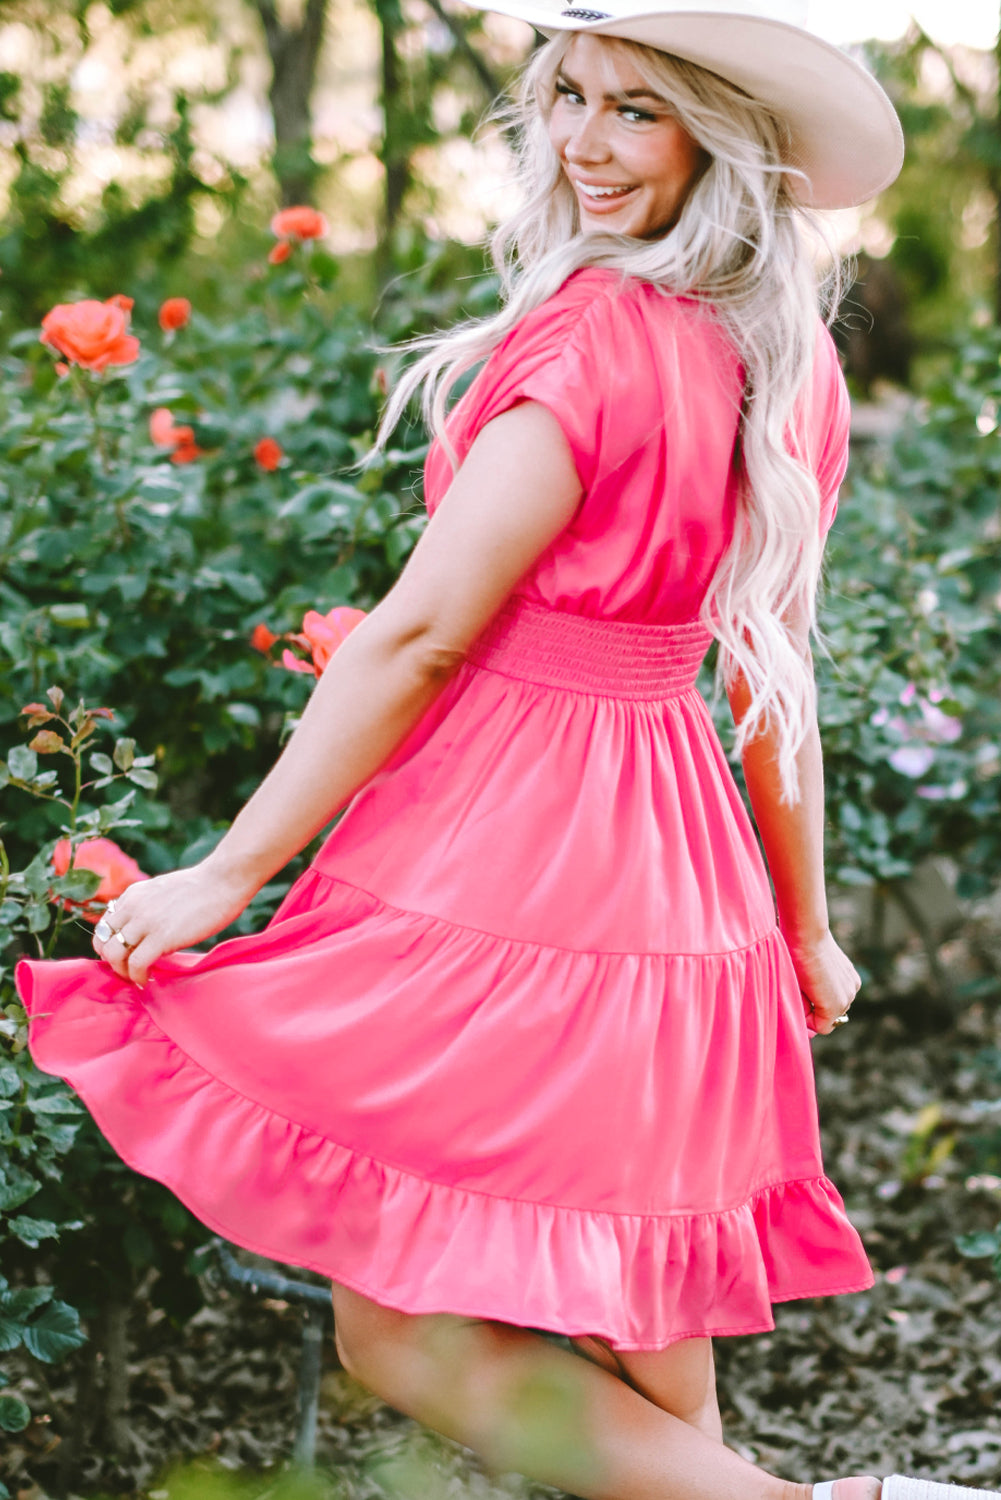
{"points": [[178, 524]]}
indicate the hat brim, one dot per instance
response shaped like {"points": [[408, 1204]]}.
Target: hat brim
{"points": [[844, 132]]}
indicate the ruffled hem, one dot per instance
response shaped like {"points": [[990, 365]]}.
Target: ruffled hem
{"points": [[639, 1281]]}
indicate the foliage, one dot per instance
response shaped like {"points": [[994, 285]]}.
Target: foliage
{"points": [[910, 707], [941, 212], [51, 244]]}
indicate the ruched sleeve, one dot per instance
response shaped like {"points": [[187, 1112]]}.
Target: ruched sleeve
{"points": [[832, 419], [561, 355]]}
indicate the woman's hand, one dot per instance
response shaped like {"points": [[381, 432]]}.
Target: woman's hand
{"points": [[159, 916], [827, 978]]}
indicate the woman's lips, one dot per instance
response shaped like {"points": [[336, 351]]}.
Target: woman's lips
{"points": [[602, 198]]}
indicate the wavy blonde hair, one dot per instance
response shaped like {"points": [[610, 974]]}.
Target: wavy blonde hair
{"points": [[738, 246]]}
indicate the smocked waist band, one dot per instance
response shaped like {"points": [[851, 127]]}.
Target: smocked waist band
{"points": [[613, 658]]}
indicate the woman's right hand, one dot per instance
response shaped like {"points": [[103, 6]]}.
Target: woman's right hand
{"points": [[164, 914], [828, 979]]}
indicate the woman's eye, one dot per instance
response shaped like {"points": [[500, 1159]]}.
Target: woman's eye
{"points": [[568, 93], [630, 112]]}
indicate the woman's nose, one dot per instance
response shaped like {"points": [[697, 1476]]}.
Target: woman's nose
{"points": [[588, 142]]}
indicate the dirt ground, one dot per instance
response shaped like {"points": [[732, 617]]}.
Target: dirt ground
{"points": [[906, 1377]]}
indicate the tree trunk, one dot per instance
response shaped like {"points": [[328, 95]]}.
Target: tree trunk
{"points": [[996, 182], [394, 151], [294, 52]]}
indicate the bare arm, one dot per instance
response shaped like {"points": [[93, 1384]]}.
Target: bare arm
{"points": [[515, 492], [793, 837]]}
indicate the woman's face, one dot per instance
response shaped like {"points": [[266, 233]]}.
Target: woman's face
{"points": [[628, 160]]}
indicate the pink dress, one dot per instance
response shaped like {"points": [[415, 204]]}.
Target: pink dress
{"points": [[524, 1043]]}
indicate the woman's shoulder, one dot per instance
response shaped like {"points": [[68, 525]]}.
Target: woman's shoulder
{"points": [[607, 314]]}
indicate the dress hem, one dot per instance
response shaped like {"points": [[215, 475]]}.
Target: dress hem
{"points": [[638, 1281]]}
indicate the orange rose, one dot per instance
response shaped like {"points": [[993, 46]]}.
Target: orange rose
{"points": [[174, 313], [268, 453], [165, 435], [261, 638], [91, 334], [300, 223], [187, 450], [120, 300], [321, 636], [279, 252], [117, 869]]}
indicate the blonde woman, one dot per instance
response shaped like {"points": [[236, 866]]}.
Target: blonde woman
{"points": [[528, 1047]]}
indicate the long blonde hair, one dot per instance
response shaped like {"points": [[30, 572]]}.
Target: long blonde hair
{"points": [[737, 245]]}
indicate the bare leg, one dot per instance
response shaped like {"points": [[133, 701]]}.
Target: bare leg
{"points": [[525, 1405], [680, 1379]]}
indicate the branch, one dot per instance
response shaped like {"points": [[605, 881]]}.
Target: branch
{"points": [[484, 73]]}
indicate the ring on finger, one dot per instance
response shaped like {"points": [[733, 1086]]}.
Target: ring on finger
{"points": [[117, 932], [841, 1020], [104, 931]]}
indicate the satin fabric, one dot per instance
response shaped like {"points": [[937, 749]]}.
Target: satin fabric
{"points": [[524, 1043]]}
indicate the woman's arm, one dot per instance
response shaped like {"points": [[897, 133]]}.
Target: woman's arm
{"points": [[793, 837], [515, 492]]}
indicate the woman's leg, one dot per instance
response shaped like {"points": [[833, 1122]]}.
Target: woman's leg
{"points": [[526, 1405], [680, 1379]]}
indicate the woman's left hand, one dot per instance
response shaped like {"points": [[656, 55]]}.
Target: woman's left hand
{"points": [[828, 979]]}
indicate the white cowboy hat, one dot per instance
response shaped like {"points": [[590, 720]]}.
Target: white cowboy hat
{"points": [[845, 134]]}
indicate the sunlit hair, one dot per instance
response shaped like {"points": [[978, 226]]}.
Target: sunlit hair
{"points": [[737, 245]]}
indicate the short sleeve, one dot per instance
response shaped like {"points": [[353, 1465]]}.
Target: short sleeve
{"points": [[558, 355], [832, 423]]}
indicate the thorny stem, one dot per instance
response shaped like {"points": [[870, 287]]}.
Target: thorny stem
{"points": [[76, 751], [90, 395]]}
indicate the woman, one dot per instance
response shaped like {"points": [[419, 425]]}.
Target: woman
{"points": [[526, 1048]]}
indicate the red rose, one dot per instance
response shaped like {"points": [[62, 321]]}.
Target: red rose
{"points": [[268, 453], [91, 334], [187, 450], [174, 313], [117, 869], [279, 252], [301, 223], [321, 636], [261, 638]]}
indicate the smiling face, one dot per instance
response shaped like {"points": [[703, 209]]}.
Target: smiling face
{"points": [[628, 159]]}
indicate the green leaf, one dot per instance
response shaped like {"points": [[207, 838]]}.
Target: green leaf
{"points": [[16, 1187], [39, 916], [102, 764], [73, 616], [979, 1245], [125, 754], [24, 1300], [10, 1081], [14, 1415], [76, 885], [31, 1232], [22, 763], [55, 1333], [148, 780], [55, 1104]]}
